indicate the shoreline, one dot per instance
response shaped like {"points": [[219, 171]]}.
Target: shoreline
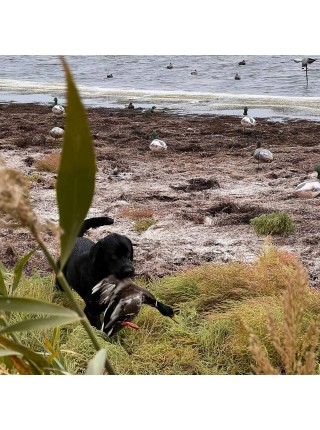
{"points": [[271, 114], [202, 192]]}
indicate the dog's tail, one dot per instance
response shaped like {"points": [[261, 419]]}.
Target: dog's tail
{"points": [[94, 223]]}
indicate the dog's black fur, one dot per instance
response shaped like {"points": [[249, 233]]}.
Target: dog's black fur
{"points": [[91, 262]]}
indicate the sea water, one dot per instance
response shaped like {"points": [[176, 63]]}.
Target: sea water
{"points": [[273, 87]]}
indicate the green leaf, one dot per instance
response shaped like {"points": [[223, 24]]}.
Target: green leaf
{"points": [[17, 271], [6, 352], [96, 365], [26, 352], [39, 324], [34, 306], [76, 175], [3, 288]]}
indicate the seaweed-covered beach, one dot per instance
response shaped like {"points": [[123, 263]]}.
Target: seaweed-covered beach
{"points": [[202, 192]]}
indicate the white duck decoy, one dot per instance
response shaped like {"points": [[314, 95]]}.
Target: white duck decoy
{"points": [[237, 77], [170, 66], [305, 61], [247, 121], [57, 110], [262, 155], [194, 72], [56, 132], [158, 145], [309, 189]]}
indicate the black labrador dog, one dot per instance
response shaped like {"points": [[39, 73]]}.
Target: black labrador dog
{"points": [[91, 262]]}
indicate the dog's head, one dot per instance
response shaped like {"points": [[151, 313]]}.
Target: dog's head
{"points": [[113, 255]]}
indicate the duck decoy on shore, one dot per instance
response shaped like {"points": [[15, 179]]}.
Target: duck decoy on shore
{"points": [[110, 76], [242, 63], [57, 110], [311, 188], [56, 132], [237, 77], [121, 301], [170, 66], [149, 111], [262, 155], [130, 106], [158, 145], [247, 121], [194, 72], [305, 61]]}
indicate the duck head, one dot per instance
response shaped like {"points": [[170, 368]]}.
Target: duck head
{"points": [[165, 310]]}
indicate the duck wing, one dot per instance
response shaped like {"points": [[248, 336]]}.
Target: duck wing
{"points": [[309, 186], [123, 306], [104, 289]]}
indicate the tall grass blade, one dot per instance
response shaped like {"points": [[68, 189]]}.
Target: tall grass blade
{"points": [[3, 288], [30, 355], [17, 271], [76, 175]]}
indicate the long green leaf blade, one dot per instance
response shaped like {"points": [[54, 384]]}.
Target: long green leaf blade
{"points": [[30, 355], [96, 365], [6, 353], [34, 306], [76, 176], [39, 324], [3, 288], [19, 267]]}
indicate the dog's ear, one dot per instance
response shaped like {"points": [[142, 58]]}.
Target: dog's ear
{"points": [[94, 253]]}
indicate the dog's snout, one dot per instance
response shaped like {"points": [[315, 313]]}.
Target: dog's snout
{"points": [[127, 272]]}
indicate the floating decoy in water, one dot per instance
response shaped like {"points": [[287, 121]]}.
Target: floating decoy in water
{"points": [[309, 189], [247, 121], [158, 145], [194, 72], [122, 301], [242, 63], [262, 155], [170, 66], [130, 106], [305, 61], [56, 132], [110, 76], [237, 77]]}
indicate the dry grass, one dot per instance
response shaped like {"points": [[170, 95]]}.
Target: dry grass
{"points": [[297, 344], [49, 163], [233, 318], [136, 213]]}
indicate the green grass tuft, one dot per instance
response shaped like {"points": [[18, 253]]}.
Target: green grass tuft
{"points": [[275, 223], [143, 224]]}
